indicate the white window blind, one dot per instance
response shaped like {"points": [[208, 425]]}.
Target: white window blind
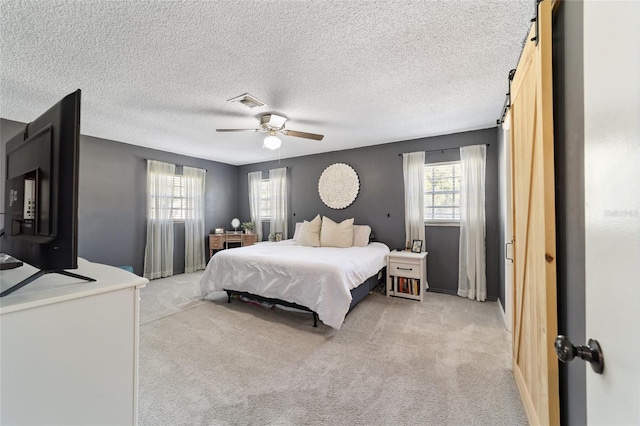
{"points": [[442, 192], [181, 207], [265, 200]]}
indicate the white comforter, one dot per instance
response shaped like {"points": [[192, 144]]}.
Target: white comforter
{"points": [[319, 278]]}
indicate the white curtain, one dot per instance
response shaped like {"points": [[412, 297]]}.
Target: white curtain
{"points": [[413, 171], [158, 253], [278, 189], [472, 281], [194, 180], [255, 192]]}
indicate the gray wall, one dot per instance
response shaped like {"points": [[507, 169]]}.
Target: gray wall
{"points": [[568, 108], [112, 199], [111, 214], [380, 202]]}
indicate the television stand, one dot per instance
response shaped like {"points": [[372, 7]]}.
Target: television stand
{"points": [[40, 274], [71, 348]]}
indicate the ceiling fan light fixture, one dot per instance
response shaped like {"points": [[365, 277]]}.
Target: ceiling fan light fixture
{"points": [[272, 141]]}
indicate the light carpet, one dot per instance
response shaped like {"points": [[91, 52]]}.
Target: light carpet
{"points": [[445, 361], [168, 296]]}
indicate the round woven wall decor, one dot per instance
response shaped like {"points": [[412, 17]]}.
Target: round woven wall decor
{"points": [[338, 186]]}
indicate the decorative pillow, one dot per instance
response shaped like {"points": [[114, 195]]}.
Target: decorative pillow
{"points": [[310, 233], [361, 235], [336, 234], [296, 234]]}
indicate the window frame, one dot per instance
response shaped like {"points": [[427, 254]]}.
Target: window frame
{"points": [[441, 222]]}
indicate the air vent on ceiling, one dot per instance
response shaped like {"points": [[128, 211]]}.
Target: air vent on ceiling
{"points": [[247, 101]]}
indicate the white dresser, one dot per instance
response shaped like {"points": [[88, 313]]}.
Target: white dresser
{"points": [[69, 348]]}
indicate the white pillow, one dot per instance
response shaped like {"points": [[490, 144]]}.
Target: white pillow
{"points": [[310, 233], [336, 234], [361, 235], [296, 234]]}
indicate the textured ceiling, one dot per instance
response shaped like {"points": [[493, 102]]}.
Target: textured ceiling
{"points": [[158, 74]]}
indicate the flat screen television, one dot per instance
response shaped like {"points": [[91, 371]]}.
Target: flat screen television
{"points": [[41, 192]]}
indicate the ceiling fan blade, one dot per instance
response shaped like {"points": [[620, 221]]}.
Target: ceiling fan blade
{"points": [[237, 130], [303, 135]]}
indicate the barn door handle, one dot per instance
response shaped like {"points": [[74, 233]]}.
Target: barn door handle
{"points": [[593, 353], [506, 250]]}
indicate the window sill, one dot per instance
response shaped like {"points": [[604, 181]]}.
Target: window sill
{"points": [[456, 224]]}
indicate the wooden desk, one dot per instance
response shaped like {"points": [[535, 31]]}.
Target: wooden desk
{"points": [[221, 241]]}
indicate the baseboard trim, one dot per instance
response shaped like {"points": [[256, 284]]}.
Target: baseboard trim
{"points": [[503, 314], [454, 293], [443, 291]]}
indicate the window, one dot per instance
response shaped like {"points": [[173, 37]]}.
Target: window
{"points": [[265, 200], [442, 192], [181, 208]]}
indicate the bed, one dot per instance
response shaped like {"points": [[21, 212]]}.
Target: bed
{"points": [[326, 281]]}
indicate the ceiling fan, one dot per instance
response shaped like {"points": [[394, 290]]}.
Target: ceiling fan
{"points": [[273, 124]]}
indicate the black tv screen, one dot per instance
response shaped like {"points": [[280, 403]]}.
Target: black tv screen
{"points": [[41, 191]]}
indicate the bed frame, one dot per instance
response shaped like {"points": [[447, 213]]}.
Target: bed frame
{"points": [[357, 294]]}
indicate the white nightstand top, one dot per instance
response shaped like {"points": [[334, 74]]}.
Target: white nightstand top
{"points": [[407, 254]]}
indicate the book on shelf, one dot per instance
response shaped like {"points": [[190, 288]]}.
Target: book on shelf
{"points": [[401, 284], [408, 285]]}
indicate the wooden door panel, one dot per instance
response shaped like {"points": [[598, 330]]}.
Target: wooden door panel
{"points": [[535, 366]]}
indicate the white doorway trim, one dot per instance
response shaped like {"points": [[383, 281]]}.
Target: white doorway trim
{"points": [[506, 212]]}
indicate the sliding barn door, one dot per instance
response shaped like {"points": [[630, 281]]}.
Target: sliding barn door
{"points": [[535, 365]]}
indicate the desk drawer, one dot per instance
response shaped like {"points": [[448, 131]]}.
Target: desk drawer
{"points": [[249, 239], [234, 238], [404, 269], [216, 242]]}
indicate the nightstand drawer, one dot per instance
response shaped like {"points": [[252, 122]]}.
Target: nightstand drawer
{"points": [[404, 269]]}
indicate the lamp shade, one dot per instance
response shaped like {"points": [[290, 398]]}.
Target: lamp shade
{"points": [[272, 142]]}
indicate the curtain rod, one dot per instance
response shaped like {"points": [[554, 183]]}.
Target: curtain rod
{"points": [[268, 170], [445, 149], [177, 165]]}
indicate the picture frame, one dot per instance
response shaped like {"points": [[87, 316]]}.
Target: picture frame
{"points": [[416, 246], [278, 236]]}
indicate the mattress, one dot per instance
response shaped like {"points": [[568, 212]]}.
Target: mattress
{"points": [[319, 278]]}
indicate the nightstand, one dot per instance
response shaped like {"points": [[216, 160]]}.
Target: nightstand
{"points": [[407, 274]]}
